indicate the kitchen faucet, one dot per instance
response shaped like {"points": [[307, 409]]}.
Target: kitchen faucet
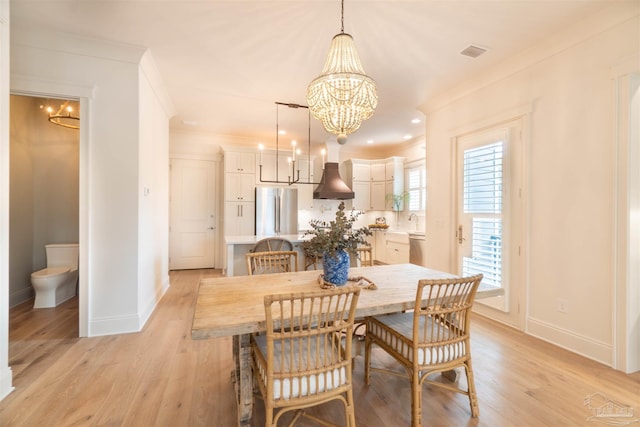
{"points": [[412, 216]]}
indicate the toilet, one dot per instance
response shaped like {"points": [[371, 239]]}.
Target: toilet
{"points": [[56, 283]]}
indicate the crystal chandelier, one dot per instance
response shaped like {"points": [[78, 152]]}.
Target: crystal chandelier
{"points": [[343, 96]]}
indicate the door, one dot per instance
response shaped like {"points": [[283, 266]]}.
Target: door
{"points": [[192, 210], [489, 216]]}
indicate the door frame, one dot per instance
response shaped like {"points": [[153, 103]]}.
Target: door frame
{"points": [[27, 86], [519, 263], [625, 293]]}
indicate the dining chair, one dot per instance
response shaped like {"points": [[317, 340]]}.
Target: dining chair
{"points": [[433, 338], [364, 255], [311, 258], [271, 262], [272, 244], [304, 359]]}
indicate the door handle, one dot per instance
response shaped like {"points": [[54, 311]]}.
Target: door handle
{"points": [[459, 234]]}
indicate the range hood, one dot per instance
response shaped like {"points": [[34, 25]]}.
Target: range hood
{"points": [[331, 185]]}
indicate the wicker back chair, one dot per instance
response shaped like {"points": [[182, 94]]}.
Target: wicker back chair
{"points": [[272, 244], [431, 339], [364, 256], [271, 262], [304, 359]]}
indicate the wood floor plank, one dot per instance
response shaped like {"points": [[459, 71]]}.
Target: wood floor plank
{"points": [[161, 377]]}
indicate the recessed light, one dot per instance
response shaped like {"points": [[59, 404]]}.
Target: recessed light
{"points": [[416, 120], [282, 132], [370, 141], [407, 137], [190, 123]]}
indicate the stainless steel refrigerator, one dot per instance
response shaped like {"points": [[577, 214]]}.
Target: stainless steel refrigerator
{"points": [[276, 211]]}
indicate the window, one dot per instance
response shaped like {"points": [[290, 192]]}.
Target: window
{"points": [[482, 200], [417, 188]]}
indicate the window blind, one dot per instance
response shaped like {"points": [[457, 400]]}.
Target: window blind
{"points": [[483, 200], [483, 179], [417, 188]]}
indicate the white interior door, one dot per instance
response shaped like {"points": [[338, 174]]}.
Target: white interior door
{"points": [[192, 209], [489, 210]]}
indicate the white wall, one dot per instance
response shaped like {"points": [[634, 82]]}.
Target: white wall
{"points": [[153, 184], [117, 161], [571, 172]]}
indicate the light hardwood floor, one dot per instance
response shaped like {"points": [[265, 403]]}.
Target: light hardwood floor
{"points": [[161, 377]]}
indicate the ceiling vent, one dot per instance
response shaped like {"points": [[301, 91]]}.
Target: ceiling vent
{"points": [[473, 51]]}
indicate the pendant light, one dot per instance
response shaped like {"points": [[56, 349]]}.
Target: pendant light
{"points": [[343, 96]]}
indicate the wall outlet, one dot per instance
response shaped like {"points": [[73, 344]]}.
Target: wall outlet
{"points": [[563, 305]]}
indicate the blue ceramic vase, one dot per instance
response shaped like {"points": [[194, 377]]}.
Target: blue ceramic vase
{"points": [[336, 269]]}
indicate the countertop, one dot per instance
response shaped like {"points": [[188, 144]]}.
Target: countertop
{"points": [[252, 240]]}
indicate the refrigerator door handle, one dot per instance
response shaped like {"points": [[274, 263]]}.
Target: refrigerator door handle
{"points": [[277, 215]]}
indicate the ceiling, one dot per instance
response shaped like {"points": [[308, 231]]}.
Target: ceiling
{"points": [[226, 63]]}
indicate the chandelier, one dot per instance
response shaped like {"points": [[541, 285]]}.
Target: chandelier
{"points": [[343, 96], [63, 116], [294, 159]]}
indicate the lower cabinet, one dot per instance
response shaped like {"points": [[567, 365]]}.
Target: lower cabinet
{"points": [[239, 218], [390, 247], [397, 253]]}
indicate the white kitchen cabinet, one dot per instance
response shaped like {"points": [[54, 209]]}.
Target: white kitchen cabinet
{"points": [[378, 170], [239, 218], [379, 243], [362, 195], [240, 162], [239, 192], [239, 187], [360, 170], [397, 253], [368, 180], [396, 247], [390, 247], [378, 193]]}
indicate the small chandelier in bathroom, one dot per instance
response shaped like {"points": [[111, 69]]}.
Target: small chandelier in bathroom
{"points": [[64, 116]]}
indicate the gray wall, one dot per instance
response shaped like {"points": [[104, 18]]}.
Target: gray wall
{"points": [[43, 191]]}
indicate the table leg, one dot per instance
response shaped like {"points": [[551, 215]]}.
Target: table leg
{"points": [[243, 378]]}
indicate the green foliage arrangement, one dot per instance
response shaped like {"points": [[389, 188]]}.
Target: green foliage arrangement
{"points": [[334, 236], [397, 200]]}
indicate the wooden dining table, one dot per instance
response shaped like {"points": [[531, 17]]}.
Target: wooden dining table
{"points": [[234, 306]]}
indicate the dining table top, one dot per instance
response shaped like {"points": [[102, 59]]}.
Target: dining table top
{"points": [[228, 306]]}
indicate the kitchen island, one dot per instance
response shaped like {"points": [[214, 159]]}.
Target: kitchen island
{"points": [[238, 246]]}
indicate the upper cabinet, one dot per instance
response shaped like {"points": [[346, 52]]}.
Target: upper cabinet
{"points": [[240, 162], [374, 182]]}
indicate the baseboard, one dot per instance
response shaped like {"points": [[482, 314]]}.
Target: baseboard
{"points": [[151, 305], [576, 343], [6, 385], [20, 296], [113, 325]]}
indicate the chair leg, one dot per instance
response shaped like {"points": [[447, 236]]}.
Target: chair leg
{"points": [[471, 386], [416, 399], [367, 359], [350, 409]]}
